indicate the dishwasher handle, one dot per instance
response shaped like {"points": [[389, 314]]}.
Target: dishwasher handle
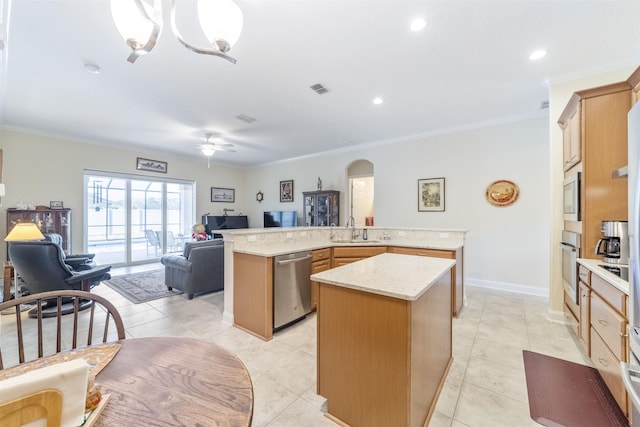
{"points": [[289, 261]]}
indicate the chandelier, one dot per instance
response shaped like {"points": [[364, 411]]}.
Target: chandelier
{"points": [[140, 23]]}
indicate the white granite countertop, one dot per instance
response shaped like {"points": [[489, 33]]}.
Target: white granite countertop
{"points": [[399, 276], [594, 265]]}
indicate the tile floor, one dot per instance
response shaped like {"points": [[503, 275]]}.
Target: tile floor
{"points": [[485, 387]]}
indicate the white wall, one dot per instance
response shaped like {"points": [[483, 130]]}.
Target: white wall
{"points": [[40, 169], [506, 247]]}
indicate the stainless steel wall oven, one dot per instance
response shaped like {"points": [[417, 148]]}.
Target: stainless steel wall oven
{"points": [[570, 245], [571, 197]]}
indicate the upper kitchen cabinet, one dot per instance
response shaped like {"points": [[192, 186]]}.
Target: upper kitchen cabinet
{"points": [[571, 133], [596, 120]]}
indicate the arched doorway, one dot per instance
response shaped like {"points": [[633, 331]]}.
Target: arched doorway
{"points": [[360, 197]]}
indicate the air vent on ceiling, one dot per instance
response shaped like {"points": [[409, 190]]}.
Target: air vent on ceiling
{"points": [[544, 105], [319, 89], [245, 118]]}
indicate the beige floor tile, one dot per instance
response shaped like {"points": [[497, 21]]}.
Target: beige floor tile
{"points": [[497, 378], [301, 413], [498, 352], [478, 407]]}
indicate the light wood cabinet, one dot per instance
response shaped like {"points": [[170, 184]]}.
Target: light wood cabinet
{"points": [[253, 294], [602, 129], [347, 254], [457, 276], [320, 261], [585, 323], [602, 329], [571, 135]]}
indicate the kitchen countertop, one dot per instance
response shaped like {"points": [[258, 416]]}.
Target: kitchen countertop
{"points": [[594, 265], [399, 276]]}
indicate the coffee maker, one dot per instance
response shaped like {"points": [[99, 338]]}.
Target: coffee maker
{"points": [[614, 244]]}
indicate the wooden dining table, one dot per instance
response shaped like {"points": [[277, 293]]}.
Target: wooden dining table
{"points": [[175, 381]]}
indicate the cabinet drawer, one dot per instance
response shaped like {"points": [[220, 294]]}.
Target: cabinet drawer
{"points": [[584, 274], [320, 254], [318, 266], [337, 262], [615, 297], [610, 325], [609, 367], [435, 253], [358, 251]]}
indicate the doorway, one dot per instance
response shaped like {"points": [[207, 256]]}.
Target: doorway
{"points": [[360, 197]]}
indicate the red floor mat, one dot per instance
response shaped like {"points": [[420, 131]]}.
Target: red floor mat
{"points": [[568, 394]]}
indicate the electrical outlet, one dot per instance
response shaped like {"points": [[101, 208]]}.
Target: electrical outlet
{"points": [[303, 233], [401, 233], [289, 235], [444, 235], [251, 238]]}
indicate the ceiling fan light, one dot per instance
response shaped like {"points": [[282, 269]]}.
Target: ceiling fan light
{"points": [[221, 22], [207, 149], [131, 22]]}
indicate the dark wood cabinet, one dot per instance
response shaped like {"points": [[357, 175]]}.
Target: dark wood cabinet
{"points": [[321, 208], [48, 220]]}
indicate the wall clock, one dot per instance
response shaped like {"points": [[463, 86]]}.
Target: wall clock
{"points": [[259, 196], [502, 193]]}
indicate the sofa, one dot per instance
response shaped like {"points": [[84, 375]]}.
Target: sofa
{"points": [[199, 269]]}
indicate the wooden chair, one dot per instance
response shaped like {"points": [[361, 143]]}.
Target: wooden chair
{"points": [[69, 331], [45, 404]]}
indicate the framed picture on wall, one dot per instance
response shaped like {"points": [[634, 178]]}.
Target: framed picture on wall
{"points": [[286, 191], [151, 165], [225, 195], [431, 195]]}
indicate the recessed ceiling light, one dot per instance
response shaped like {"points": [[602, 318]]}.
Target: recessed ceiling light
{"points": [[537, 54], [417, 24], [92, 68], [377, 101]]}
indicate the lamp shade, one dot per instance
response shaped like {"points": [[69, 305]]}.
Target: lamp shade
{"points": [[221, 22], [131, 22], [24, 231]]}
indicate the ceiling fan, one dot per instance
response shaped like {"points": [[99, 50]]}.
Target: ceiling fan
{"points": [[214, 144]]}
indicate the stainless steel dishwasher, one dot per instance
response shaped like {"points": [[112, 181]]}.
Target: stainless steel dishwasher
{"points": [[291, 288]]}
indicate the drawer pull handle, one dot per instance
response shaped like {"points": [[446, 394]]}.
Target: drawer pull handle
{"points": [[603, 322], [603, 362]]}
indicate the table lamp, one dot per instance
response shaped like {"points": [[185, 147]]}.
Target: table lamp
{"points": [[22, 232]]}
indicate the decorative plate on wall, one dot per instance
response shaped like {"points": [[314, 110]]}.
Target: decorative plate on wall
{"points": [[502, 193]]}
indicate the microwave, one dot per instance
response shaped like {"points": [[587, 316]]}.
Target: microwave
{"points": [[571, 197]]}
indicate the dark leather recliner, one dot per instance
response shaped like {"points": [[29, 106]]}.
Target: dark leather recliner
{"points": [[200, 268], [77, 262], [41, 265]]}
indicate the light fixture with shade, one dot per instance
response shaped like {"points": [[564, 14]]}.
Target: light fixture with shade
{"points": [[24, 231], [140, 24]]}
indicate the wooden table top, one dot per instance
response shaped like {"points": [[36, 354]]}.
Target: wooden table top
{"points": [[175, 381]]}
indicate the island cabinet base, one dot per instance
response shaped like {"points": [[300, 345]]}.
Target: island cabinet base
{"points": [[253, 294], [382, 361]]}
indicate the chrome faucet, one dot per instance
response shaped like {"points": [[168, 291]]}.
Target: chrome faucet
{"points": [[351, 222]]}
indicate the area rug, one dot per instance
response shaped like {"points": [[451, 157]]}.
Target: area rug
{"points": [[563, 393], [141, 287]]}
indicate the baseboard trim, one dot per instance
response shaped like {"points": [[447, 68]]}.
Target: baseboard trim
{"points": [[508, 287], [227, 317]]}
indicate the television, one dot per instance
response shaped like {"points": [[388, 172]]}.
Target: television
{"points": [[281, 219], [221, 222]]}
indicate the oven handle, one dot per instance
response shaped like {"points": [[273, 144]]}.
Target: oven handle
{"points": [[627, 373], [568, 246]]}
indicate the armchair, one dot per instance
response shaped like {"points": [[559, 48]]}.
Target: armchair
{"points": [[42, 267], [77, 262], [200, 268]]}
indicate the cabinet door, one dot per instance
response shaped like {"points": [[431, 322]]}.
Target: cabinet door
{"points": [[309, 211], [571, 139], [322, 210], [585, 326]]}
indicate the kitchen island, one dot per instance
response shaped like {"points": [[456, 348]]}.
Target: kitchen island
{"points": [[249, 258], [384, 339]]}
